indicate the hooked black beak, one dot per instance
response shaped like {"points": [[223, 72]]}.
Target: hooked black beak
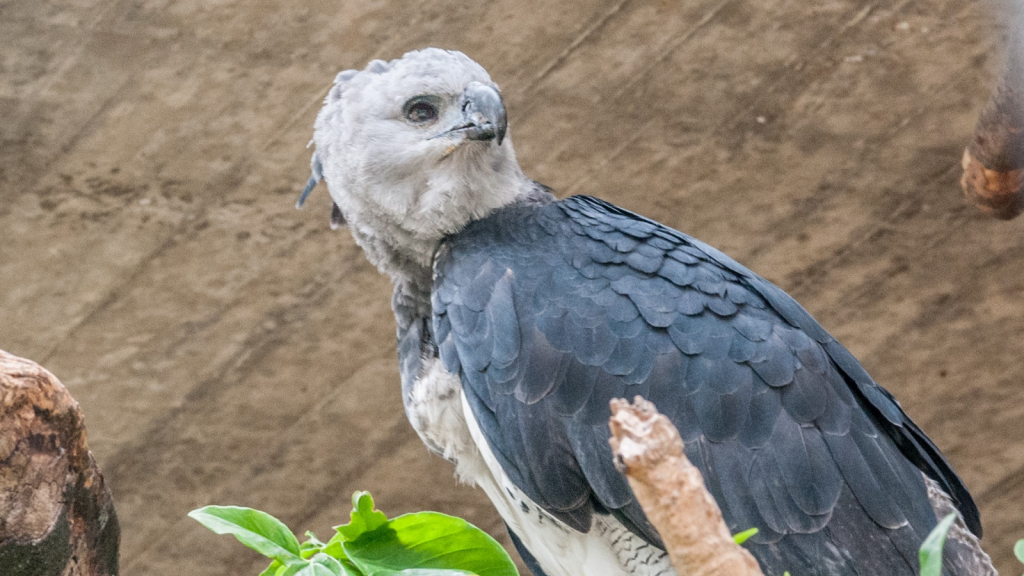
{"points": [[483, 114]]}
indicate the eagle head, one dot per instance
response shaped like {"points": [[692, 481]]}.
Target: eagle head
{"points": [[414, 149]]}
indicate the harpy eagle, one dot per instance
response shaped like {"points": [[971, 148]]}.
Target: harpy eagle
{"points": [[520, 316]]}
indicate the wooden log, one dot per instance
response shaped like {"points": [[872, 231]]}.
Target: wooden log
{"points": [[56, 514], [993, 162], [670, 489]]}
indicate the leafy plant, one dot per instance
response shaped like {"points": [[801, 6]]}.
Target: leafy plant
{"points": [[931, 549], [421, 544], [741, 537]]}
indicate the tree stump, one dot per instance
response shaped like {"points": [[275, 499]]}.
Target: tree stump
{"points": [[993, 162], [56, 514]]}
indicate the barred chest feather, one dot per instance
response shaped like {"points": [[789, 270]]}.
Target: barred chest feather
{"points": [[440, 415]]}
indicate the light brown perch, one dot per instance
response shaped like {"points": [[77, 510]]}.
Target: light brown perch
{"points": [[993, 162], [670, 489], [56, 515]]}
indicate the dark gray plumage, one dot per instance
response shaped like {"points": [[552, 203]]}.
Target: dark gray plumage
{"points": [[519, 317], [547, 310]]}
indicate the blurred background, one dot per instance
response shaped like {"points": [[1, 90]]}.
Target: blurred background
{"points": [[228, 349]]}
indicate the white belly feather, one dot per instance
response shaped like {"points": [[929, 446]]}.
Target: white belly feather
{"points": [[442, 417]]}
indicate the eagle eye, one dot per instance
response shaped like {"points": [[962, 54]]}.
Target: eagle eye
{"points": [[420, 110]]}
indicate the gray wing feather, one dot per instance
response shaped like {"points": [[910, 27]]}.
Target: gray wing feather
{"points": [[547, 311]]}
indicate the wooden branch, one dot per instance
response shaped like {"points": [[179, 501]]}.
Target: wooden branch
{"points": [[670, 489], [56, 514], [993, 162]]}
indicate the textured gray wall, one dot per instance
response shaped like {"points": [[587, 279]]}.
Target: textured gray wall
{"points": [[228, 349]]}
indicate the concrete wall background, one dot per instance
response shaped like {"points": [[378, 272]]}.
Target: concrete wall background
{"points": [[228, 349]]}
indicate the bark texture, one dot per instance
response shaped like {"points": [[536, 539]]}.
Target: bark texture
{"points": [[993, 162], [962, 545], [670, 489], [56, 514]]}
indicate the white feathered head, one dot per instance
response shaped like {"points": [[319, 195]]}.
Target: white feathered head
{"points": [[412, 150]]}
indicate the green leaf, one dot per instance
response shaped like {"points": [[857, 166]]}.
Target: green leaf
{"points": [[931, 549], [272, 569], [351, 568], [315, 570], [332, 565], [292, 570], [1018, 550], [363, 518], [422, 572], [744, 536], [429, 540], [334, 550], [310, 547], [257, 530]]}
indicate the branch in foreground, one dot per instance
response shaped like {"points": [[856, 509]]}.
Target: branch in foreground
{"points": [[670, 489], [56, 515]]}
